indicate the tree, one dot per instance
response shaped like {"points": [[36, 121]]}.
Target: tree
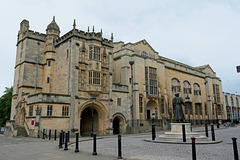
{"points": [[5, 105]]}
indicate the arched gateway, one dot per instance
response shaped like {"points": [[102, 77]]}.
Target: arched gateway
{"points": [[118, 123], [99, 118]]}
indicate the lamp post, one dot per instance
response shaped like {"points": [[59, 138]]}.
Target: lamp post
{"points": [[187, 99], [93, 100], [131, 63]]}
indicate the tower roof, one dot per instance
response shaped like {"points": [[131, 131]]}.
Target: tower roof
{"points": [[53, 25]]}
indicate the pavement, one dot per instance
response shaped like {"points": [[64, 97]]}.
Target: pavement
{"points": [[133, 148]]}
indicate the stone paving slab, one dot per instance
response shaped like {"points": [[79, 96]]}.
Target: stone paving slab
{"points": [[133, 148]]}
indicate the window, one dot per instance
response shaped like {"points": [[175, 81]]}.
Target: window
{"points": [[30, 110], [176, 85], [197, 90], [119, 101], [151, 80], [65, 110], [94, 52], [205, 108], [49, 110], [187, 87], [217, 93], [140, 104], [94, 77], [162, 105], [48, 79], [49, 63]]}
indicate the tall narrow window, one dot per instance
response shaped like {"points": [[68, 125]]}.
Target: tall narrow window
{"points": [[119, 101], [140, 104], [151, 80], [30, 110], [48, 79], [49, 63], [162, 105], [49, 110], [65, 110]]}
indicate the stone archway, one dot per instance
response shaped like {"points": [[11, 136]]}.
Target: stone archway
{"points": [[100, 121], [118, 124], [86, 122], [150, 109]]}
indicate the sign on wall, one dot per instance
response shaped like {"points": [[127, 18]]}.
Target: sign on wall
{"points": [[238, 69]]}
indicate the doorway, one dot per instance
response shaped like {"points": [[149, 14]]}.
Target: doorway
{"points": [[116, 125], [86, 122]]}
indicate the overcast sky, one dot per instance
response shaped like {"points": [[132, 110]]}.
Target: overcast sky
{"points": [[194, 32]]}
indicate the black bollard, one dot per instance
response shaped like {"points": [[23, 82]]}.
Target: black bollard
{"points": [[94, 144], [213, 134], [49, 137], [60, 140], [55, 135], [235, 150], [119, 147], [68, 137], [43, 136], [63, 137], [153, 130], [76, 149], [38, 133], [193, 149], [184, 133], [206, 129], [66, 143]]}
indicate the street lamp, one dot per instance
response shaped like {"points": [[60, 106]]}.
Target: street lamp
{"points": [[187, 99], [93, 100]]}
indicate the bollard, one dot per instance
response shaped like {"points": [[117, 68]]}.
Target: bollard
{"points": [[43, 136], [235, 150], [55, 135], [38, 134], [184, 133], [60, 140], [66, 143], [49, 137], [76, 149], [63, 137], [193, 149], [213, 134], [94, 144], [206, 129], [68, 136], [153, 130], [119, 147]]}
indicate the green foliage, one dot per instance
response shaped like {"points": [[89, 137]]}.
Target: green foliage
{"points": [[5, 105]]}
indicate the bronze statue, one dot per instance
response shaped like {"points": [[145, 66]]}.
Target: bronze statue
{"points": [[177, 108]]}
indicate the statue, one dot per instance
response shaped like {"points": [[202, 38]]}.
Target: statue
{"points": [[177, 108]]}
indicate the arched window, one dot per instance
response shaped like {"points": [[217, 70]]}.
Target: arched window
{"points": [[197, 90], [175, 85], [187, 87]]}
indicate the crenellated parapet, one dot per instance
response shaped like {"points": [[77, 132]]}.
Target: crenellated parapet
{"points": [[32, 35], [84, 35]]}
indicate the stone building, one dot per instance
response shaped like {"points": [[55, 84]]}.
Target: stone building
{"points": [[57, 78], [231, 103]]}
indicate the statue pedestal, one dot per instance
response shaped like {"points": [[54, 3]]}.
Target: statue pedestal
{"points": [[176, 131]]}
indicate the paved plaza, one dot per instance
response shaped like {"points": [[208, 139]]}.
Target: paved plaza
{"points": [[133, 148]]}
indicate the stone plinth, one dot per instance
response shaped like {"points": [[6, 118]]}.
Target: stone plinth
{"points": [[176, 132]]}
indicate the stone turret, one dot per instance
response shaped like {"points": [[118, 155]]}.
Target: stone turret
{"points": [[52, 28]]}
